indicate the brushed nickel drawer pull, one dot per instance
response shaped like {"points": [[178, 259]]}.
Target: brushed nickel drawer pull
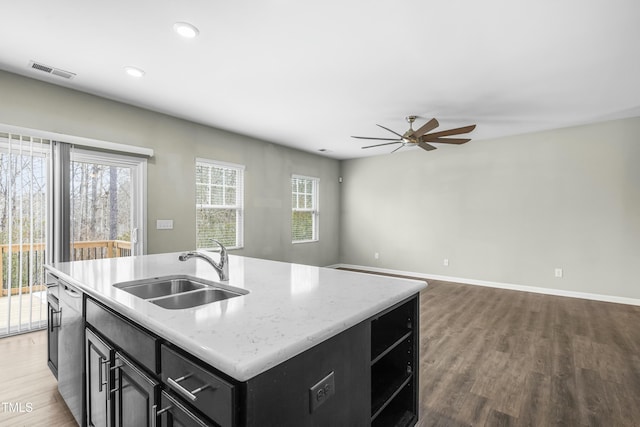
{"points": [[182, 378], [199, 389], [101, 383], [191, 395], [155, 414]]}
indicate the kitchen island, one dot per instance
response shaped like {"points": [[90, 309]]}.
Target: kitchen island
{"points": [[298, 347]]}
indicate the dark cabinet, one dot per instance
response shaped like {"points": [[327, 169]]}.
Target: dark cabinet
{"points": [[394, 363], [175, 414], [124, 379], [120, 360], [98, 358], [53, 327], [134, 395], [364, 376], [118, 393], [326, 385], [208, 393]]}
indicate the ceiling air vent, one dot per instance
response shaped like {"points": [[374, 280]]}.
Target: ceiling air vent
{"points": [[50, 70]]}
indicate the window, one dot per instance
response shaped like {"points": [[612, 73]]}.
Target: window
{"points": [[304, 203], [219, 203]]}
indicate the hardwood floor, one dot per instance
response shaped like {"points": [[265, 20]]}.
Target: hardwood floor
{"points": [[489, 357], [496, 357], [27, 383]]}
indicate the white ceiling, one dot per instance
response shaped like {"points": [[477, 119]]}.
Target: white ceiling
{"points": [[309, 75]]}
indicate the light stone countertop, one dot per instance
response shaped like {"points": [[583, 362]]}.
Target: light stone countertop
{"points": [[289, 307]]}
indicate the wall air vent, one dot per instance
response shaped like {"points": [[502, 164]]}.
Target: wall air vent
{"points": [[50, 70]]}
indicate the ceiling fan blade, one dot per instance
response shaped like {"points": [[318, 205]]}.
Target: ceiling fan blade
{"points": [[446, 140], [426, 146], [397, 149], [392, 131], [456, 131], [386, 143], [429, 126], [379, 139]]}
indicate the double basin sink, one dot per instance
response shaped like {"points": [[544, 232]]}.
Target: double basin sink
{"points": [[178, 292]]}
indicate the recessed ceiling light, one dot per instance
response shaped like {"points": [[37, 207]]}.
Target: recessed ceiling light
{"points": [[134, 71], [186, 30]]}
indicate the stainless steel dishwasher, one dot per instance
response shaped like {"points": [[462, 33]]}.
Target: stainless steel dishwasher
{"points": [[70, 346]]}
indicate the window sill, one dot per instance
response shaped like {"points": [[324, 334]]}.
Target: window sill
{"points": [[295, 242], [217, 249]]}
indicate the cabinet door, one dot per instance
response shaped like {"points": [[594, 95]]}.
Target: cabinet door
{"points": [[53, 326], [174, 414], [99, 357], [134, 395]]}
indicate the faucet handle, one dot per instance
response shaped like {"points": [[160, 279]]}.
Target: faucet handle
{"points": [[223, 250]]}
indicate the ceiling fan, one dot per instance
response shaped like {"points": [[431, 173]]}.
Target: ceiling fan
{"points": [[420, 137]]}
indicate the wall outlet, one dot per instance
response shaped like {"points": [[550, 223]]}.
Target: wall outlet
{"points": [[164, 224], [321, 392], [446, 262], [376, 255], [558, 272]]}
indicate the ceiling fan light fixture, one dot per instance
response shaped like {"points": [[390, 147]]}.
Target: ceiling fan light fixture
{"points": [[186, 30]]}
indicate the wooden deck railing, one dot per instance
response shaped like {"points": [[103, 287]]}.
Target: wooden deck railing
{"points": [[33, 256]]}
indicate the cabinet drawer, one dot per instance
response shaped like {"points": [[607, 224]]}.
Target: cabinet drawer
{"points": [[207, 392], [137, 343]]}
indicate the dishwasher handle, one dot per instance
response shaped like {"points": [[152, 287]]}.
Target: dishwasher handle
{"points": [[52, 313]]}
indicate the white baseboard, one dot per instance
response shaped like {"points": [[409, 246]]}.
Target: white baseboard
{"points": [[511, 286]]}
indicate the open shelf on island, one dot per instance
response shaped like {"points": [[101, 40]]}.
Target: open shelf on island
{"points": [[394, 383]]}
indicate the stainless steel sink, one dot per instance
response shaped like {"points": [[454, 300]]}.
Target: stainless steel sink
{"points": [[160, 287], [177, 292], [192, 299]]}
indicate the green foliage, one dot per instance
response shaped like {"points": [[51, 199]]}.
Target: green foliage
{"points": [[219, 224], [25, 270], [301, 226]]}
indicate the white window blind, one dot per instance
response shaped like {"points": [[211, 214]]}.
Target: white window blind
{"points": [[24, 166], [219, 203], [304, 204]]}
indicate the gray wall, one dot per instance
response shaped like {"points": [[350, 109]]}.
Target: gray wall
{"points": [[507, 210], [171, 172]]}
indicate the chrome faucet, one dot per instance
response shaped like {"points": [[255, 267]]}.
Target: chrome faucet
{"points": [[222, 267]]}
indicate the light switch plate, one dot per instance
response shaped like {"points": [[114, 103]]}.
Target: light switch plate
{"points": [[164, 224], [321, 392]]}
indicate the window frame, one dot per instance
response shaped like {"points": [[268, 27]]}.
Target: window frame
{"points": [[315, 210], [239, 205]]}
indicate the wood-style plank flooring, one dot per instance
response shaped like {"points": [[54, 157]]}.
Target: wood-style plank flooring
{"points": [[25, 380], [489, 357], [493, 357]]}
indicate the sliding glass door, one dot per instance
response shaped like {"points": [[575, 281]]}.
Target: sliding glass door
{"points": [[105, 205], [60, 203]]}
